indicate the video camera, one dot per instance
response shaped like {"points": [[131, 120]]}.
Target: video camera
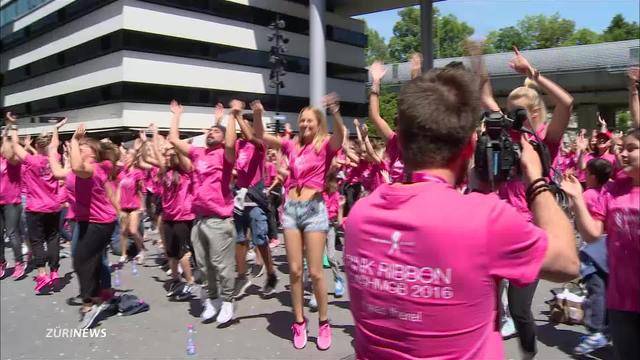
{"points": [[497, 156]]}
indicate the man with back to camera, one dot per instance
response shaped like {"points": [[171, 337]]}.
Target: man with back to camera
{"points": [[424, 262]]}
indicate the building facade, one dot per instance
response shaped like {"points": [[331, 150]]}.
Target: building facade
{"points": [[115, 65]]}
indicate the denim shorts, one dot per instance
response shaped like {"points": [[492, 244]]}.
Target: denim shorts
{"points": [[255, 219], [306, 216]]}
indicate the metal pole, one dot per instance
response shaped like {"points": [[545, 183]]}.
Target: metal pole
{"points": [[317, 52], [277, 78], [426, 33]]}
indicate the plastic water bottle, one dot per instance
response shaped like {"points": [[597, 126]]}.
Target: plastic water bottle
{"points": [[116, 278], [191, 345], [134, 269]]}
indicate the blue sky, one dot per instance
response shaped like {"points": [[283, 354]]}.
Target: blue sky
{"points": [[487, 15]]}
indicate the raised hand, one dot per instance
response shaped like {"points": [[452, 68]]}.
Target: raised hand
{"points": [[175, 107], [80, 132], [154, 129], [416, 65], [582, 143], [356, 123], [377, 71], [236, 105], [27, 141], [364, 130], [571, 186], [256, 105], [60, 123], [10, 118], [218, 112], [634, 73], [332, 102], [520, 64]]}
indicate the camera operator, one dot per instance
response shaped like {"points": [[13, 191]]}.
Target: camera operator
{"points": [[513, 191], [424, 261]]}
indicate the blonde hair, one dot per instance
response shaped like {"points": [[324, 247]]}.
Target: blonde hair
{"points": [[534, 101], [323, 131]]}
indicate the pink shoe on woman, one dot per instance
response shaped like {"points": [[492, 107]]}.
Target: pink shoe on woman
{"points": [[54, 277], [3, 268], [324, 336], [18, 270], [41, 283], [299, 334]]}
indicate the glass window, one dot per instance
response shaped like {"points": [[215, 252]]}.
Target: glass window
{"points": [[394, 70]]}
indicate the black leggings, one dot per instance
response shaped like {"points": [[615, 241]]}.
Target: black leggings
{"points": [[43, 227], [352, 194], [625, 333], [93, 239], [520, 299]]}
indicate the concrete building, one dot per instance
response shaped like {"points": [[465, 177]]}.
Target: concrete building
{"points": [[594, 74], [115, 65]]}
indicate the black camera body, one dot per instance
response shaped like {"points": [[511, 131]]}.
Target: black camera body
{"points": [[497, 156]]}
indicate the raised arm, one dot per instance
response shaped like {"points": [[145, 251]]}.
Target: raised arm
{"points": [[218, 114], [562, 99], [377, 71], [58, 171], [246, 129], [6, 149], [79, 166], [361, 145], [634, 100], [268, 139], [416, 65], [332, 102], [230, 135], [589, 228], [181, 146], [19, 152], [367, 144], [474, 49]]}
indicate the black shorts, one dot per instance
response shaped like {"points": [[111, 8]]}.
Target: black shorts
{"points": [[177, 238], [153, 203]]}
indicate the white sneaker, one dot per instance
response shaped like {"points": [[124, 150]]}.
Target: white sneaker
{"points": [[25, 249], [251, 255], [313, 303], [211, 308], [226, 312], [169, 272]]}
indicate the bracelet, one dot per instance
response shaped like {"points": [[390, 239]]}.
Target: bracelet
{"points": [[374, 92], [533, 196], [535, 189], [534, 183]]}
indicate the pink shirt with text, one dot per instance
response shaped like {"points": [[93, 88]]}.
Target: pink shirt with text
{"points": [[41, 186], [130, 185], [10, 182], [308, 167], [212, 179], [619, 209], [249, 163], [424, 263], [92, 202], [177, 196]]}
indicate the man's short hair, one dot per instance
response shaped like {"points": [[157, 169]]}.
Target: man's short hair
{"points": [[437, 114], [601, 169]]}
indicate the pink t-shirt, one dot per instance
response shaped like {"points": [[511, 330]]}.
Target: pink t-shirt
{"points": [[270, 173], [308, 167], [212, 179], [332, 201], [582, 174], [514, 190], [249, 163], [355, 174], [394, 162], [130, 187], [619, 208], [92, 202], [10, 182], [424, 263], [375, 176], [70, 195], [591, 197], [42, 187], [177, 197], [565, 162]]}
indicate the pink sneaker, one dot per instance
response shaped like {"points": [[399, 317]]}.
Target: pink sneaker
{"points": [[41, 283], [299, 334], [274, 242], [54, 277], [324, 336], [18, 270], [3, 268]]}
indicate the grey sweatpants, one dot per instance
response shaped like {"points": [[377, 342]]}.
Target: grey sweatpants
{"points": [[214, 242]]}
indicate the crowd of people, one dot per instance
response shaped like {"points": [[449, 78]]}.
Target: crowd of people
{"points": [[428, 244]]}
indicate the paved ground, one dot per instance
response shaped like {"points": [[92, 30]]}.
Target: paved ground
{"points": [[261, 329]]}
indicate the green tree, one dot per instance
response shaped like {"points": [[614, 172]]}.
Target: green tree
{"points": [[546, 31], [619, 29], [583, 37], [623, 121], [449, 33], [406, 35], [503, 40], [376, 47]]}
